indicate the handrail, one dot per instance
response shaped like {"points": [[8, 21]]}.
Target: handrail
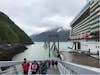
{"points": [[64, 67], [9, 63], [12, 66], [72, 68], [12, 63]]}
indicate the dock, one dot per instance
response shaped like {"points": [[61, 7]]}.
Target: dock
{"points": [[79, 58]]}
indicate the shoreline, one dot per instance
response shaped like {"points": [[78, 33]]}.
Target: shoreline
{"points": [[8, 51]]}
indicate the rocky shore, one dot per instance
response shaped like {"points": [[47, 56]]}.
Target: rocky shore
{"points": [[7, 51]]}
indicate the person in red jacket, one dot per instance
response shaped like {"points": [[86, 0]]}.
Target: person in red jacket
{"points": [[25, 66]]}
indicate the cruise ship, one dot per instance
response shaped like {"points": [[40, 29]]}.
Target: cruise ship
{"points": [[85, 29]]}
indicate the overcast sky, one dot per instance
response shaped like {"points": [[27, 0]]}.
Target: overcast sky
{"points": [[35, 16]]}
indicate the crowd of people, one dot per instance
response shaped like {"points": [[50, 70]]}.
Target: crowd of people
{"points": [[38, 67]]}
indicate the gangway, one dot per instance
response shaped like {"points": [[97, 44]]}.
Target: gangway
{"points": [[63, 67]]}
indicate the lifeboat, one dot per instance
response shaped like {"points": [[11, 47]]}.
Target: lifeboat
{"points": [[85, 35]]}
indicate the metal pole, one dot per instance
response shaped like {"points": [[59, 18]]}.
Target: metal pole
{"points": [[58, 47], [49, 50]]}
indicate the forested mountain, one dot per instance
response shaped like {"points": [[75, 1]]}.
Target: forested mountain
{"points": [[12, 38], [10, 32]]}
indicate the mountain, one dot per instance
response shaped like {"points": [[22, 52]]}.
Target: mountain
{"points": [[12, 38], [10, 32], [52, 35]]}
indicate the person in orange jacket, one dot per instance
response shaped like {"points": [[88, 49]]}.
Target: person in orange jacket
{"points": [[25, 66]]}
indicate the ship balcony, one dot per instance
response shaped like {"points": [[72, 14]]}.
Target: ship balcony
{"points": [[95, 25], [96, 1], [95, 7], [98, 14], [95, 30], [96, 20], [97, 10]]}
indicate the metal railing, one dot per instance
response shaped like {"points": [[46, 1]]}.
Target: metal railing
{"points": [[76, 69], [14, 67], [10, 67]]}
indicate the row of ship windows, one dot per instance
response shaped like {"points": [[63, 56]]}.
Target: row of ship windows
{"points": [[84, 21], [93, 26], [81, 31], [78, 31], [96, 27], [85, 27], [87, 31], [93, 17], [94, 3], [93, 8], [81, 26], [87, 23], [95, 12], [96, 22]]}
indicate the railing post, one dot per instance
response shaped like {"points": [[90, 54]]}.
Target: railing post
{"points": [[0, 70], [15, 70]]}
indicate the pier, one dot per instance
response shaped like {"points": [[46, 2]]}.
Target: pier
{"points": [[80, 59]]}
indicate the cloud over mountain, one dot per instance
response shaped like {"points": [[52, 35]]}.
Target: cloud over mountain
{"points": [[35, 16]]}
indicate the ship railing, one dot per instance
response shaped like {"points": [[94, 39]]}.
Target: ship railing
{"points": [[76, 69], [10, 67], [15, 68]]}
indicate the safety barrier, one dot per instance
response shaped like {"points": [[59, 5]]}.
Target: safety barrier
{"points": [[76, 69], [15, 67], [11, 67]]}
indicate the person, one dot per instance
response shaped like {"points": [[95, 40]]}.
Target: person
{"points": [[56, 63], [52, 63], [49, 63], [25, 66], [40, 67], [44, 67], [34, 67]]}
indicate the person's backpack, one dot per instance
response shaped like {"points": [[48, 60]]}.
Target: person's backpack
{"points": [[34, 66]]}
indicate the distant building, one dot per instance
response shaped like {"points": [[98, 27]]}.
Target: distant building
{"points": [[87, 23]]}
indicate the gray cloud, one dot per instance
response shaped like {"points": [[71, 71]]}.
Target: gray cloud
{"points": [[35, 16]]}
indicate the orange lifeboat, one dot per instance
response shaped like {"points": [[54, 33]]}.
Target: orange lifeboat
{"points": [[85, 35]]}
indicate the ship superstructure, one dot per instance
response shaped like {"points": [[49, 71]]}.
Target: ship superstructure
{"points": [[85, 31]]}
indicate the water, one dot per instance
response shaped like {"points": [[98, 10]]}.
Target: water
{"points": [[37, 52]]}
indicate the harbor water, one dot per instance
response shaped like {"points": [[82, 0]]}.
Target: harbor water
{"points": [[38, 52]]}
